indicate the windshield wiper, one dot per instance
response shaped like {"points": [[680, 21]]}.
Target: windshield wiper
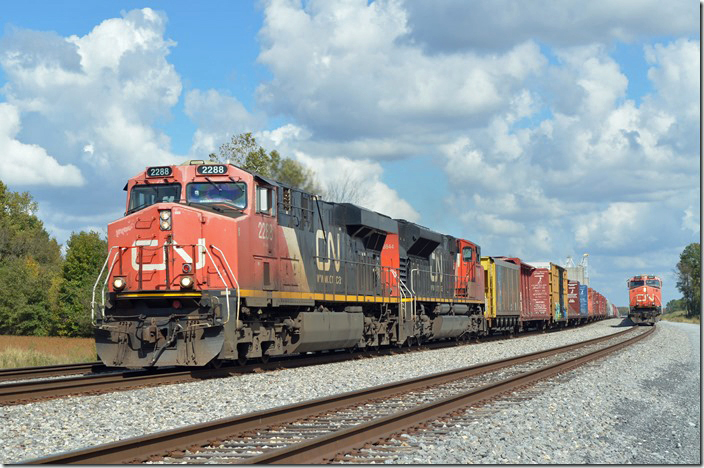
{"points": [[213, 184]]}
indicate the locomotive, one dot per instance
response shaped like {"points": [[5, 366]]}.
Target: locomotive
{"points": [[212, 263], [645, 299]]}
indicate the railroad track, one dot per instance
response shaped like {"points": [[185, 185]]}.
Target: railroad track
{"points": [[21, 373], [104, 379], [335, 428]]}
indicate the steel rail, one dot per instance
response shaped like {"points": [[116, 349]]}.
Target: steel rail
{"points": [[322, 449], [31, 391], [140, 448], [18, 373]]}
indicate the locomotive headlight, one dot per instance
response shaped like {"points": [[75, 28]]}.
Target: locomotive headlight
{"points": [[119, 284], [186, 282], [165, 223]]}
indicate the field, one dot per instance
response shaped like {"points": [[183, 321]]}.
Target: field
{"points": [[27, 351], [680, 316]]}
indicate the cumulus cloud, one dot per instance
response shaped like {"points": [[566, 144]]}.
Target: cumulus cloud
{"points": [[104, 91], [28, 164], [218, 117], [344, 71]]}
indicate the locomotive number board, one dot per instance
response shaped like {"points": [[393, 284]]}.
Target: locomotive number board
{"points": [[162, 171], [212, 169]]}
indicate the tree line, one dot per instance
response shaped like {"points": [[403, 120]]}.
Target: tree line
{"points": [[43, 292]]}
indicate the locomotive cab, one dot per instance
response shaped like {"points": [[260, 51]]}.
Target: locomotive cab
{"points": [[171, 282]]}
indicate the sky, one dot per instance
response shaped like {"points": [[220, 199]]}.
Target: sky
{"points": [[539, 129]]}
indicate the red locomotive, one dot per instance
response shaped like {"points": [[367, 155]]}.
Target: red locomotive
{"points": [[212, 263], [645, 299]]}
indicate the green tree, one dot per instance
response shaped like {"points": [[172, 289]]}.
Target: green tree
{"points": [[84, 257], [674, 305], [689, 270], [244, 151], [30, 261]]}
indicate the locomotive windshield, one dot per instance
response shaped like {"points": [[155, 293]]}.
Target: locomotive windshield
{"points": [[231, 193], [635, 284], [653, 283], [146, 195]]}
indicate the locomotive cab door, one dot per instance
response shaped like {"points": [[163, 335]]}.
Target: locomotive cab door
{"points": [[264, 236], [466, 268]]}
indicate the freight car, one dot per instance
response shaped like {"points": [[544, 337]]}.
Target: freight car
{"points": [[213, 263], [645, 299]]}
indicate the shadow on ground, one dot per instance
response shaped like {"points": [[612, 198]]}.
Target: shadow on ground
{"points": [[625, 322]]}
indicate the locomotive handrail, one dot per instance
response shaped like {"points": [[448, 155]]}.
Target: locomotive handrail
{"points": [[237, 284], [97, 280]]}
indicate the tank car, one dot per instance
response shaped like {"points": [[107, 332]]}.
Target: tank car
{"points": [[213, 263], [645, 299]]}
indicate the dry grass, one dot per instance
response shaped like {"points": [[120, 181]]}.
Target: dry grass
{"points": [[27, 351], [681, 316]]}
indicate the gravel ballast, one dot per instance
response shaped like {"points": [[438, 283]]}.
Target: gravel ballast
{"points": [[641, 406], [39, 429]]}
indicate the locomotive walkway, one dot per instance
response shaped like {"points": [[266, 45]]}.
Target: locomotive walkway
{"points": [[320, 430]]}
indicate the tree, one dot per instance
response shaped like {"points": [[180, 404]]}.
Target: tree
{"points": [[244, 151], [689, 278], [30, 261], [84, 259], [675, 305]]}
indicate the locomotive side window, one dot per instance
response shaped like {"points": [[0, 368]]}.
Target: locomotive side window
{"points": [[264, 200], [467, 254], [231, 193], [142, 196]]}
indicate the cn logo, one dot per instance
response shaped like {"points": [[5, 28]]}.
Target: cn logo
{"points": [[435, 268], [333, 253], [162, 266]]}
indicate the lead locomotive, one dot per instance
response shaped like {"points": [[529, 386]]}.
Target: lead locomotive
{"points": [[213, 263]]}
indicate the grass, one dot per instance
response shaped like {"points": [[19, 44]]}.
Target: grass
{"points": [[28, 351], [681, 316]]}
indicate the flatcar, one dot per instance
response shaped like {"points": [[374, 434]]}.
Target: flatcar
{"points": [[212, 263], [645, 299]]}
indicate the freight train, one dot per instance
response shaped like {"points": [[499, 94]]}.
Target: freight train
{"points": [[645, 299], [212, 263]]}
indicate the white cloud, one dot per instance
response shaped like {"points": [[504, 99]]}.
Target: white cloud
{"points": [[343, 71], [105, 90], [218, 117], [27, 164]]}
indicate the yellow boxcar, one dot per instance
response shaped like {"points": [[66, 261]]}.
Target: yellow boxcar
{"points": [[502, 290]]}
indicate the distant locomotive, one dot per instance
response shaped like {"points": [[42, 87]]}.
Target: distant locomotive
{"points": [[645, 299], [213, 263]]}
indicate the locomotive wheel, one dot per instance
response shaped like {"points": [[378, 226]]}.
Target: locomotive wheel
{"points": [[265, 358], [242, 359]]}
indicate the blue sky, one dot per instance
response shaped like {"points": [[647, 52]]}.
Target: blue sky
{"points": [[539, 129]]}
